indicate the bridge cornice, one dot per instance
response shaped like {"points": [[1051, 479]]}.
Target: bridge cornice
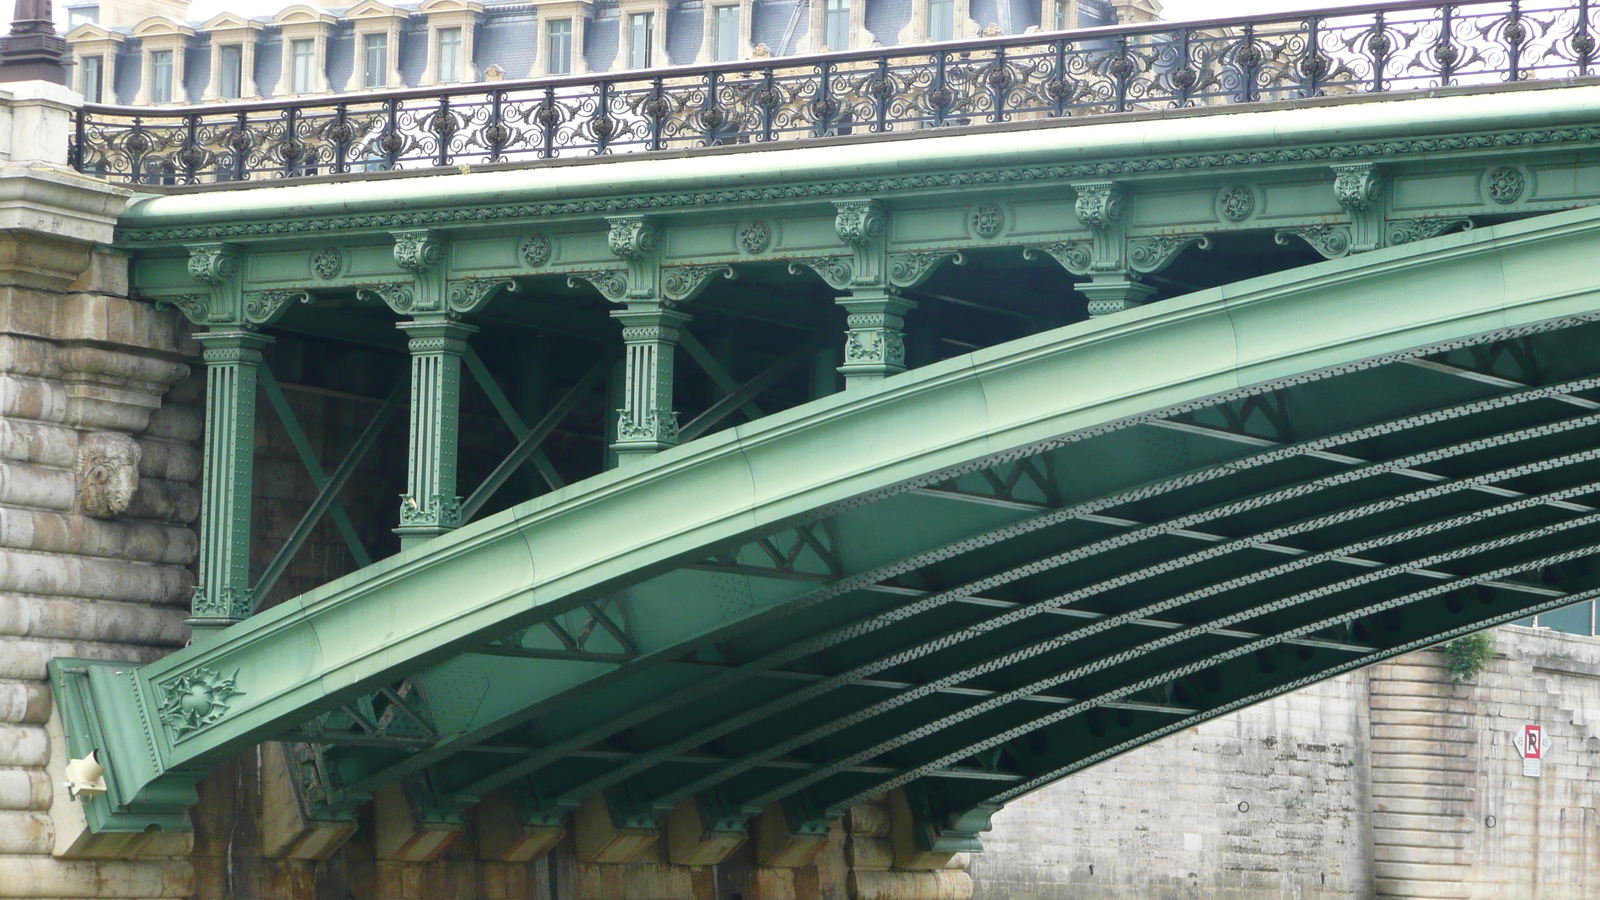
{"points": [[1218, 146]]}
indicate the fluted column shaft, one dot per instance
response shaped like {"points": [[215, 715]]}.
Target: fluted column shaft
{"points": [[430, 505], [222, 596], [647, 423]]}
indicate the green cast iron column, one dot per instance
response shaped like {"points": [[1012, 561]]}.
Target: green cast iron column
{"points": [[430, 505], [647, 423], [874, 345], [222, 596]]}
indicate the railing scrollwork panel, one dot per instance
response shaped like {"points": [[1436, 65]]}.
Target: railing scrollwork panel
{"points": [[1375, 48]]}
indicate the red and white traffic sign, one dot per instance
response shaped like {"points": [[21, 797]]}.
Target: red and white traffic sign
{"points": [[1532, 744]]}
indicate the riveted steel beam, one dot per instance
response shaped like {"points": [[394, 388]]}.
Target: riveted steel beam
{"points": [[1402, 465], [1106, 622]]}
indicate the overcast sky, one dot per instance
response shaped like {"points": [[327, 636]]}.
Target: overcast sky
{"points": [[1175, 9]]}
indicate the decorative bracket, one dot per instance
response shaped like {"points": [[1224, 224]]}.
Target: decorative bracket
{"points": [[1113, 286], [907, 270], [613, 283], [684, 283], [419, 251], [1149, 255], [864, 225], [637, 241], [1332, 241], [218, 266], [1359, 188], [1405, 231], [266, 307], [835, 270], [1074, 256], [469, 294]]}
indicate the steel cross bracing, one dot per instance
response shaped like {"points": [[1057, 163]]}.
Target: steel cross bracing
{"points": [[1357, 49], [826, 727]]}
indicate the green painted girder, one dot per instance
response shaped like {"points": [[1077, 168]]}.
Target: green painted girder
{"points": [[969, 580]]}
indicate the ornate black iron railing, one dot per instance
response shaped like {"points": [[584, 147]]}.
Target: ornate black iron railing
{"points": [[1350, 50]]}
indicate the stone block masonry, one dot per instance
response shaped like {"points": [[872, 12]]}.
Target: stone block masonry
{"points": [[98, 473], [1391, 782]]}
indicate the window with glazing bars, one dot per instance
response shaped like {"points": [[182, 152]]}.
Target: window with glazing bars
{"points": [[641, 32], [1062, 21], [92, 79], [449, 55], [941, 20], [558, 36], [375, 60], [836, 25], [303, 66], [231, 58], [725, 39], [161, 76]]}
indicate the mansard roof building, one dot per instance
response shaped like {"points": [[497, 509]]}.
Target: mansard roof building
{"points": [[302, 50]]}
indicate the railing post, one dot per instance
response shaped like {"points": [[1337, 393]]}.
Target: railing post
{"points": [[75, 152], [222, 596], [1582, 41]]}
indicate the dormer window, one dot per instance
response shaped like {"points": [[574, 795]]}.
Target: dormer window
{"points": [[94, 49], [559, 46], [451, 24], [941, 20], [375, 60], [161, 76], [944, 20], [560, 37], [449, 55], [641, 39], [836, 25], [163, 43], [725, 39], [377, 28], [231, 58], [1059, 15], [92, 79], [303, 62]]}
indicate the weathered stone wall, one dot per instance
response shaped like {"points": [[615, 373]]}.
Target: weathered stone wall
{"points": [[1390, 782], [1267, 802]]}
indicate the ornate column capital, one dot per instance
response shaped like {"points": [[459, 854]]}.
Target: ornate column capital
{"points": [[418, 251], [859, 222], [633, 237], [637, 241], [219, 267], [1100, 204], [1360, 190]]}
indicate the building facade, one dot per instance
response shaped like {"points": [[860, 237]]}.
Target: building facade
{"points": [[159, 59]]}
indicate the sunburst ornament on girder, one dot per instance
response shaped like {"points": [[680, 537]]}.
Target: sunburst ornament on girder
{"points": [[196, 700]]}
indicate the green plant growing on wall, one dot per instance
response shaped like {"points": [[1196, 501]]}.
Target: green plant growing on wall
{"points": [[1467, 656]]}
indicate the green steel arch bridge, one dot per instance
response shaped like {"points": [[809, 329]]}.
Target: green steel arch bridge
{"points": [[1148, 407]]}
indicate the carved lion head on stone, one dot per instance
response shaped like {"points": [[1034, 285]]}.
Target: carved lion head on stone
{"points": [[107, 471]]}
